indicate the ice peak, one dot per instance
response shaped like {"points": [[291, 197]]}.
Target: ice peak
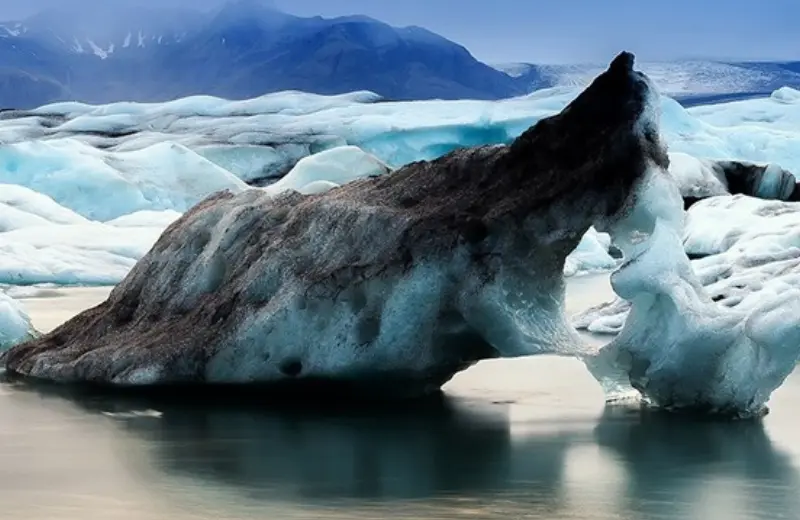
{"points": [[623, 62]]}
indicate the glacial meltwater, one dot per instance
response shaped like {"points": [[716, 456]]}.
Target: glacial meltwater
{"points": [[512, 439]]}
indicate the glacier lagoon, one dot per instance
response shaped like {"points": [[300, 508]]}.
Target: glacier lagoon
{"points": [[160, 197], [527, 438]]}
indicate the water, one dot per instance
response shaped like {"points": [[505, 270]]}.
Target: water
{"points": [[510, 439]]}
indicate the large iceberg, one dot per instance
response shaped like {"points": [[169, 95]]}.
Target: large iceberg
{"points": [[351, 267], [392, 283]]}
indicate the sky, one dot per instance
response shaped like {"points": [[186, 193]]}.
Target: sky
{"points": [[556, 31]]}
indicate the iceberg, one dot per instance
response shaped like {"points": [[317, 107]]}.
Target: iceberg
{"points": [[678, 347], [399, 243], [44, 242], [746, 251], [700, 178], [102, 186], [331, 168], [261, 139], [15, 324], [389, 284]]}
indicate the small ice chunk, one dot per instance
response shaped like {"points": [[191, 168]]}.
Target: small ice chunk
{"points": [[15, 324]]}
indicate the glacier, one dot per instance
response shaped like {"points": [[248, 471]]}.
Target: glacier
{"points": [[388, 284], [104, 162], [88, 194]]}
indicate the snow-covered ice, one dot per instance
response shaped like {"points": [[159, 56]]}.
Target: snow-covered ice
{"points": [[44, 242], [101, 185], [251, 137], [99, 163], [746, 250], [328, 169]]}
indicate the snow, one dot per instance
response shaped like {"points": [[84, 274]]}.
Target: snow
{"points": [[100, 52]]}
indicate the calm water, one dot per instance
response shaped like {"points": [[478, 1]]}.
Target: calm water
{"points": [[511, 439]]}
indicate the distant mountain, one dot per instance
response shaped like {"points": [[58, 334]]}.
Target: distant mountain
{"points": [[246, 49], [699, 81], [242, 50]]}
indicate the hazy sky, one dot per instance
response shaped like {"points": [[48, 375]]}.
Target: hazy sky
{"points": [[559, 30]]}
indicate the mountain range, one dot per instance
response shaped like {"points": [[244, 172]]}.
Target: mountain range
{"points": [[243, 50], [247, 48]]}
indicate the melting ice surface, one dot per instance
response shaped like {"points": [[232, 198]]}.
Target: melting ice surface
{"points": [[86, 190], [678, 347]]}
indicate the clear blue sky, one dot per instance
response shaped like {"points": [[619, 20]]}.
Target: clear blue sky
{"points": [[559, 30]]}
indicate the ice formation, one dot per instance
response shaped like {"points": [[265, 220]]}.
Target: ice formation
{"points": [[394, 282], [702, 178], [86, 192], [44, 242], [15, 325], [102, 186], [263, 138], [747, 250], [331, 168], [105, 162], [678, 347]]}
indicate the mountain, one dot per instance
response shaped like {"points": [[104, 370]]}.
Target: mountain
{"points": [[113, 53], [691, 82], [242, 50]]}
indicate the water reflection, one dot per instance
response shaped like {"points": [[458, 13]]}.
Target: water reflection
{"points": [[434, 447], [445, 451], [672, 464]]}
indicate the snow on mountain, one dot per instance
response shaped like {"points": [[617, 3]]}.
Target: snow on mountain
{"points": [[242, 50]]}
